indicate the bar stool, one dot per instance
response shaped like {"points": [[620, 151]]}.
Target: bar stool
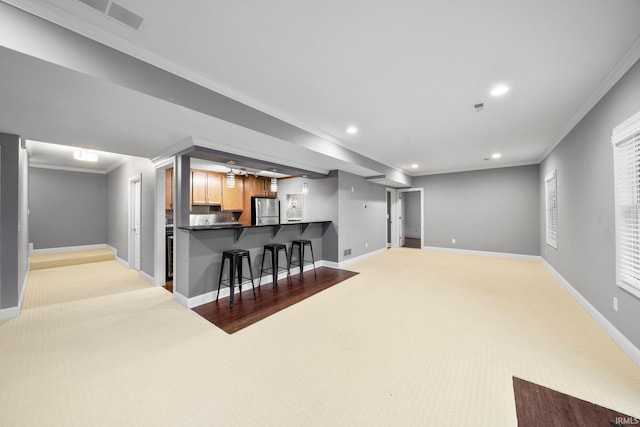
{"points": [[274, 249], [301, 261], [235, 257]]}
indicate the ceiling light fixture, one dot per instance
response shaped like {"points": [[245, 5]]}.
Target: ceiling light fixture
{"points": [[499, 90], [352, 130], [85, 156], [305, 186], [414, 166], [496, 155]]}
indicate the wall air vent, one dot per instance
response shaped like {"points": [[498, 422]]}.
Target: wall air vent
{"points": [[100, 5], [478, 107], [125, 16], [116, 11]]}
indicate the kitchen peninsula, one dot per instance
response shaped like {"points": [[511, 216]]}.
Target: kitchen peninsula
{"points": [[199, 246]]}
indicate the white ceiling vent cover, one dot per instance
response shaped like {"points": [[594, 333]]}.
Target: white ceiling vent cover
{"points": [[478, 107], [125, 16], [100, 5]]}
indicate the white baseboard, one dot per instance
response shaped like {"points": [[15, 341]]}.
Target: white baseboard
{"points": [[122, 262], [66, 248], [482, 253], [360, 258], [148, 278], [8, 313], [181, 298], [623, 342], [224, 292]]}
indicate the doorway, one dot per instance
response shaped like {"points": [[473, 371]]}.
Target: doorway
{"points": [[135, 220], [411, 218]]}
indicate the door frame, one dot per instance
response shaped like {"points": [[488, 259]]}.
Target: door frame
{"points": [[133, 180], [160, 219], [399, 223], [392, 209]]}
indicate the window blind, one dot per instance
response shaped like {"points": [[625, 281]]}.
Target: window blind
{"points": [[627, 192], [551, 191]]}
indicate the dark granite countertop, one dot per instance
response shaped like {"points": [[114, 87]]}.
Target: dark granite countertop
{"points": [[240, 226]]}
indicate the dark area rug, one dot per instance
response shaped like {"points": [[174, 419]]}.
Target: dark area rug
{"points": [[538, 406]]}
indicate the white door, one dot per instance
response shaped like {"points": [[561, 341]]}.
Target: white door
{"points": [[401, 218], [136, 224]]}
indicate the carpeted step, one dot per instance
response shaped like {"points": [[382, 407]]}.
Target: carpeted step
{"points": [[61, 259]]}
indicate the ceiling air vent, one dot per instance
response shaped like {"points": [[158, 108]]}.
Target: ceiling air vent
{"points": [[125, 16], [100, 5], [478, 107]]}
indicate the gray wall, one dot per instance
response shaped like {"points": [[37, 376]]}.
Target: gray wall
{"points": [[586, 224], [360, 225], [320, 204], [67, 208], [412, 214], [13, 221], [354, 226], [495, 210], [118, 210]]}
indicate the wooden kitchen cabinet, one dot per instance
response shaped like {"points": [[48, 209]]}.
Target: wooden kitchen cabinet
{"points": [[262, 187], [206, 187], [168, 189], [233, 198]]}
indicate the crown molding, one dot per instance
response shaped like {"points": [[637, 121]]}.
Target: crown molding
{"points": [[616, 73], [66, 168]]}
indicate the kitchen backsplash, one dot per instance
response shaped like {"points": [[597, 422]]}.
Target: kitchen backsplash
{"points": [[214, 218]]}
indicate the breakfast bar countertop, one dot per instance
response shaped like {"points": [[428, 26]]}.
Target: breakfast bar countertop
{"points": [[235, 226]]}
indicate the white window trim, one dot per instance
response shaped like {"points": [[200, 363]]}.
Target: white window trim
{"points": [[627, 277], [551, 209]]}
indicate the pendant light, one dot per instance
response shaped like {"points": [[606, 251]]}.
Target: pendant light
{"points": [[274, 182], [305, 185], [231, 179]]}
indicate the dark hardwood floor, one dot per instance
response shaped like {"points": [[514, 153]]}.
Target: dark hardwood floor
{"points": [[411, 242], [169, 286], [247, 311], [538, 406]]}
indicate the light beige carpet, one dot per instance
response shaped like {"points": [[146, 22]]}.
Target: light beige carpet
{"points": [[418, 338], [60, 259]]}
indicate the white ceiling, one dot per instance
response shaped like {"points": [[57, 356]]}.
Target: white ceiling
{"points": [[406, 74]]}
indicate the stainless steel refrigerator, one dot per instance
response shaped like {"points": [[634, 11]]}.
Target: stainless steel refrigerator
{"points": [[265, 210]]}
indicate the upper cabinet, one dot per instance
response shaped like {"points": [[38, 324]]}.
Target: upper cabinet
{"points": [[232, 198], [168, 189], [209, 188], [262, 187], [206, 187]]}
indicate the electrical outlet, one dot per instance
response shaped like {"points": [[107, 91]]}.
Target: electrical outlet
{"points": [[615, 304], [453, 241]]}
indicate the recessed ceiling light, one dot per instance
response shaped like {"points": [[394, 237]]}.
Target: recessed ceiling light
{"points": [[351, 130], [496, 155], [499, 90], [414, 166], [85, 156]]}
